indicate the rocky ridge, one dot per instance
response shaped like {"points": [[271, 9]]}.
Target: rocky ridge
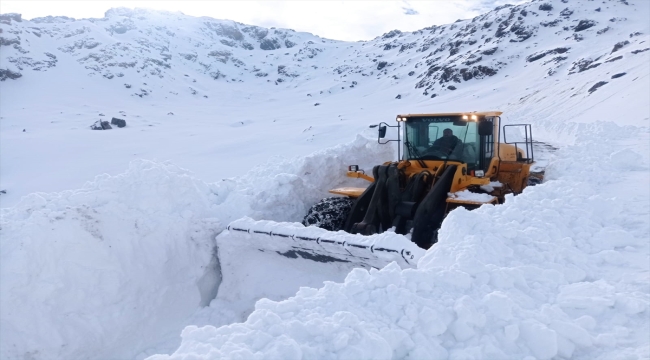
{"points": [[143, 44]]}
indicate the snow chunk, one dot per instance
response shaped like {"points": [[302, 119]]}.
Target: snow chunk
{"points": [[467, 195], [490, 187]]}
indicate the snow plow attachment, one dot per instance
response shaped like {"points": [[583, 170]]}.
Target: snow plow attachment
{"points": [[293, 240]]}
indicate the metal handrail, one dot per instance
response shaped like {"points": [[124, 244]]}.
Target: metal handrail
{"points": [[528, 140]]}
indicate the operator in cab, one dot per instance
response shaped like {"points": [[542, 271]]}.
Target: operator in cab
{"points": [[447, 142]]}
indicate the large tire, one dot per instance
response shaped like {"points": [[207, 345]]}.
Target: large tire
{"points": [[329, 213]]}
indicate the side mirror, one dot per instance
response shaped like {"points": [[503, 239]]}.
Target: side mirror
{"points": [[382, 132], [485, 128]]}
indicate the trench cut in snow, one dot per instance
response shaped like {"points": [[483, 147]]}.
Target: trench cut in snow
{"points": [[142, 245], [556, 272], [118, 267]]}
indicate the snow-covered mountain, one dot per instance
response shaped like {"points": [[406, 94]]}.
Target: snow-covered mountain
{"points": [[175, 69], [119, 266], [132, 45]]}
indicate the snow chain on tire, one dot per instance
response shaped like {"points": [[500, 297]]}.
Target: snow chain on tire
{"points": [[329, 213]]}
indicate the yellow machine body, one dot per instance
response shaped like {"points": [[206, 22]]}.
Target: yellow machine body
{"points": [[508, 166]]}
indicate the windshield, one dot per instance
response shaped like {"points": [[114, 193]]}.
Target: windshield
{"points": [[441, 138]]}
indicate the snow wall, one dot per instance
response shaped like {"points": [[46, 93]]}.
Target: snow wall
{"points": [[104, 271], [559, 271]]}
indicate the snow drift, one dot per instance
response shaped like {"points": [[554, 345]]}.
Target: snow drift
{"points": [[84, 270], [559, 271]]}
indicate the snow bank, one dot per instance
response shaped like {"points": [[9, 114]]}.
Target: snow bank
{"points": [[83, 271], [284, 189], [559, 271]]}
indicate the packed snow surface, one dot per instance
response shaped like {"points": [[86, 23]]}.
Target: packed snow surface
{"points": [[125, 263]]}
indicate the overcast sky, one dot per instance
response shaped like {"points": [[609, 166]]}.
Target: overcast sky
{"points": [[341, 20]]}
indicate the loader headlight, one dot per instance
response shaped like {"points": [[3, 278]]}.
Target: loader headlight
{"points": [[465, 117], [479, 173], [474, 117], [401, 119]]}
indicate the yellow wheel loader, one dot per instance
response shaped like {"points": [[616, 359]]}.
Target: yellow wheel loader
{"points": [[449, 160], [444, 161]]}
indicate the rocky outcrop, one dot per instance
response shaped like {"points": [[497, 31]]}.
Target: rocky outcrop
{"points": [[596, 86], [9, 17], [541, 54], [120, 123], [101, 125], [52, 20], [584, 25], [9, 74], [7, 42], [270, 44], [140, 44], [225, 30]]}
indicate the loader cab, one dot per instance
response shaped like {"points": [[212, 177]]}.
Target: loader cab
{"points": [[464, 138]]}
